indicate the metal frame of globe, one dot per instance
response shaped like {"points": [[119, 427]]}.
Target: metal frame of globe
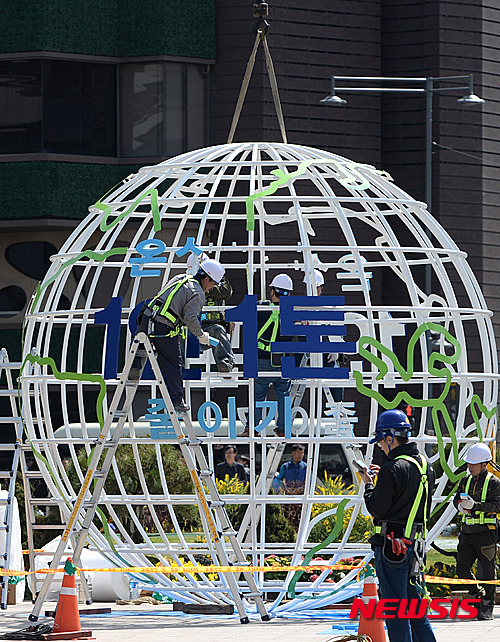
{"points": [[307, 209]]}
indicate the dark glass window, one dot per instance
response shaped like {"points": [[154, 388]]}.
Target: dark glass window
{"points": [[20, 106], [162, 108], [31, 258], [70, 107], [141, 109], [12, 301], [79, 108]]}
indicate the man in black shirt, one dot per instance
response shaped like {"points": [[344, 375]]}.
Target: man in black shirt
{"points": [[230, 467], [400, 505]]}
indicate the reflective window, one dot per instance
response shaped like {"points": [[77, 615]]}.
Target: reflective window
{"points": [[141, 109], [162, 108], [20, 106], [73, 107]]}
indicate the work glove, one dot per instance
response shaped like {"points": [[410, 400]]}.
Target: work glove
{"points": [[204, 339], [399, 544], [332, 357], [468, 504], [462, 510]]}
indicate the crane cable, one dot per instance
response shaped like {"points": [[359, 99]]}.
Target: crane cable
{"points": [[261, 37]]}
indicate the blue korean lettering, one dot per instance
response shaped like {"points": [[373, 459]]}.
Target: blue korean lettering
{"points": [[160, 423], [296, 310], [150, 249], [190, 246]]}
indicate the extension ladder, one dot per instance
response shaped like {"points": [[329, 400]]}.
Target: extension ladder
{"points": [[11, 474], [216, 523]]}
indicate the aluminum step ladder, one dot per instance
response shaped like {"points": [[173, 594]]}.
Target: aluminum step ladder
{"points": [[8, 477], [216, 523], [273, 458], [263, 484], [32, 479]]}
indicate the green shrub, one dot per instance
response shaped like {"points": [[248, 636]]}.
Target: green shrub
{"points": [[363, 526]]}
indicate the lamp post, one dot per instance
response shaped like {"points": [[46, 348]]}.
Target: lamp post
{"points": [[410, 86]]}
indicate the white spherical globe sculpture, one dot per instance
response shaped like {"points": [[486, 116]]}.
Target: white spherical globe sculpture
{"points": [[411, 305]]}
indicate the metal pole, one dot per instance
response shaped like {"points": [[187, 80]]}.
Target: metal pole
{"points": [[428, 142], [429, 90]]}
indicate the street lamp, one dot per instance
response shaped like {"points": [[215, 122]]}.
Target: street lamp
{"points": [[427, 87]]}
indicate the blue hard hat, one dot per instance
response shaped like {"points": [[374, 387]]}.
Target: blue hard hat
{"points": [[391, 422]]}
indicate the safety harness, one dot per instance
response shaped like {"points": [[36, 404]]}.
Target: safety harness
{"points": [[159, 306], [413, 531], [470, 521], [411, 527], [423, 488], [265, 343]]}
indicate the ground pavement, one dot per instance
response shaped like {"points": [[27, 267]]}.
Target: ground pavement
{"points": [[148, 623]]}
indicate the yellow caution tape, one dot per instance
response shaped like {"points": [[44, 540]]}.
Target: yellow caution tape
{"points": [[233, 569], [185, 569]]}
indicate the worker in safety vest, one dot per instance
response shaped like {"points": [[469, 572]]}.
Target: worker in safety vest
{"points": [[400, 505], [177, 305], [478, 501], [269, 332], [213, 321]]}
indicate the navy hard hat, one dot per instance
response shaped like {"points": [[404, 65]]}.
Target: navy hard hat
{"points": [[391, 422]]}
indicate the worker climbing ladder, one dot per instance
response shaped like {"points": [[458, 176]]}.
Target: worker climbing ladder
{"points": [[8, 477], [216, 523]]}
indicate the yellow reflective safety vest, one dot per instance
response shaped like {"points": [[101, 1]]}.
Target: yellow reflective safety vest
{"points": [[481, 519], [423, 488], [160, 304], [264, 343]]}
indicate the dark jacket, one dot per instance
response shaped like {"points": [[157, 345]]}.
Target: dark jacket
{"points": [[237, 470], [218, 295], [491, 505], [391, 499]]}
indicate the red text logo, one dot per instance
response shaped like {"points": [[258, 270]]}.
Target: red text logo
{"points": [[440, 608]]}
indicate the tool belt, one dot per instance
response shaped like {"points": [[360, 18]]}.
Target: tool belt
{"points": [[416, 531], [415, 540], [147, 318]]}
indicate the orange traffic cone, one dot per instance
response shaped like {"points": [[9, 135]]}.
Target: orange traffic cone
{"points": [[67, 618], [373, 627]]}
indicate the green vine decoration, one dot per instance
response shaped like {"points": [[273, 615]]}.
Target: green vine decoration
{"points": [[437, 405], [105, 226], [339, 515]]}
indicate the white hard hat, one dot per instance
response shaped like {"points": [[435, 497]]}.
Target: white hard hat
{"points": [[213, 269], [319, 279], [282, 282], [477, 454], [193, 263]]}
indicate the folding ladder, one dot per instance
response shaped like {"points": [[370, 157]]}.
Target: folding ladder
{"points": [[216, 523], [273, 458], [8, 477]]}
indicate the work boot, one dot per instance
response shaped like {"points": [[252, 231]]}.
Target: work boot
{"points": [[181, 407], [225, 365], [279, 433], [485, 611]]}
